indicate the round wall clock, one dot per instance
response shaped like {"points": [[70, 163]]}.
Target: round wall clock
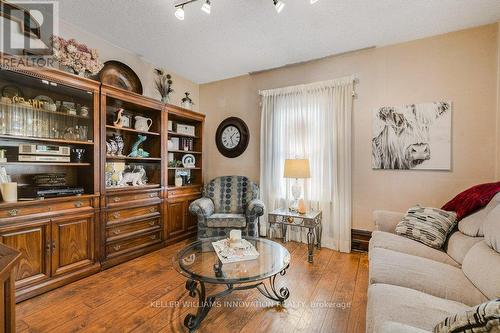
{"points": [[232, 137]]}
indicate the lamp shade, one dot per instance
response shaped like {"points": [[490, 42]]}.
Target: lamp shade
{"points": [[297, 169]]}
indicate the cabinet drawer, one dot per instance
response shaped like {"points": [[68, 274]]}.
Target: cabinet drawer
{"points": [[43, 207], [125, 229], [132, 244], [180, 192], [117, 216], [121, 198]]}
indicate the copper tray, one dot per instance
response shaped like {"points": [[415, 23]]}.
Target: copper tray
{"points": [[119, 75]]}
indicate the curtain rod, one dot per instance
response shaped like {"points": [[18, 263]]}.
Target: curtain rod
{"points": [[312, 85]]}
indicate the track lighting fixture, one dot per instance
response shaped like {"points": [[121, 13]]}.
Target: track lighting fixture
{"points": [[206, 7], [278, 5], [179, 13]]}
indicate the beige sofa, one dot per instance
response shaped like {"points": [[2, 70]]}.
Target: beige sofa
{"points": [[413, 287]]}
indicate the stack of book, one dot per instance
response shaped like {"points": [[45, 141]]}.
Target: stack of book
{"points": [[229, 252]]}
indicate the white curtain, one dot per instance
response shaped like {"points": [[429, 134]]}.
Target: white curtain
{"points": [[310, 121]]}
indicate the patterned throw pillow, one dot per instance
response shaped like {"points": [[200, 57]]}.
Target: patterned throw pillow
{"points": [[429, 226], [481, 318]]}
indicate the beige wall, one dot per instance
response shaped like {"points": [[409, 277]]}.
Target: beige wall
{"points": [[460, 66], [143, 69]]}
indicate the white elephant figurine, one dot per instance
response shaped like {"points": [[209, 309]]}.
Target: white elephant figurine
{"points": [[136, 178]]}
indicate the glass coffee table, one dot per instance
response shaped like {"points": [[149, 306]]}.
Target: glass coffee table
{"points": [[200, 265]]}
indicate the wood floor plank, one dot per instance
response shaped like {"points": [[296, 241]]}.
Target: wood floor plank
{"points": [[147, 295]]}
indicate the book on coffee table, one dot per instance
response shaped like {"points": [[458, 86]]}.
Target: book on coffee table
{"points": [[229, 253]]}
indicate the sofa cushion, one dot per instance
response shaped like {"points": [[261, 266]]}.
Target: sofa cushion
{"points": [[406, 306], [472, 225], [459, 244], [231, 194], [484, 317], [429, 226], [398, 243], [482, 266], [492, 229], [425, 275], [226, 221]]}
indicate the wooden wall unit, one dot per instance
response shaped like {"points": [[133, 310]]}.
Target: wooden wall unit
{"points": [[63, 239], [132, 217], [56, 236], [180, 223]]}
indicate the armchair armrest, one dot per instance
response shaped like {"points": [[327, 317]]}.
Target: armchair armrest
{"points": [[255, 208], [202, 207], [386, 221]]}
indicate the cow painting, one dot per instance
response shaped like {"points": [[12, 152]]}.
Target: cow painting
{"points": [[415, 136]]}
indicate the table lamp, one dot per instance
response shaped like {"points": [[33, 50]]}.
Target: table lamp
{"points": [[296, 168]]}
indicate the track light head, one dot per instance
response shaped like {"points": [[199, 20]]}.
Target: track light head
{"points": [[179, 13], [278, 5], [207, 6]]}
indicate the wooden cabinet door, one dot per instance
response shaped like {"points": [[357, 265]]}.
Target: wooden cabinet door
{"points": [[33, 241], [176, 215], [72, 243], [191, 220]]}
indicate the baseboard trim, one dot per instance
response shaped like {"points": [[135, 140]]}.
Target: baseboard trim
{"points": [[360, 240]]}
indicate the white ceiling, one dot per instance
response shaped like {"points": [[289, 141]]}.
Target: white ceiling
{"points": [[242, 36]]}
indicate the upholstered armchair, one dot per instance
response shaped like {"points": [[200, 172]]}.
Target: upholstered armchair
{"points": [[229, 202]]}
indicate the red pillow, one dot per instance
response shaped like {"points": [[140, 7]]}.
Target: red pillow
{"points": [[472, 199]]}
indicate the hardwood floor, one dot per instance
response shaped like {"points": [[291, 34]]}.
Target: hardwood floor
{"points": [[148, 295]]}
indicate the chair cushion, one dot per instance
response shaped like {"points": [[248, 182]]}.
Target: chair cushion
{"points": [[231, 194], [492, 229], [428, 276], [484, 317], [406, 306], [401, 244], [459, 244], [429, 226], [226, 221], [472, 225], [482, 267]]}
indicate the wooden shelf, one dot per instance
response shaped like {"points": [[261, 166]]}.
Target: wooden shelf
{"points": [[57, 113], [184, 168], [151, 159], [131, 130], [128, 188], [29, 138], [48, 163], [183, 135], [185, 152]]}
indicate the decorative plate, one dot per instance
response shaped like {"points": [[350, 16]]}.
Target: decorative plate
{"points": [[11, 91], [119, 75], [45, 99], [188, 161]]}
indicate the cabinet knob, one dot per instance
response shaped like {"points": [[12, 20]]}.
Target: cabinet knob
{"points": [[47, 248], [152, 209], [13, 212], [116, 199], [53, 246], [78, 204], [116, 247], [116, 215], [152, 195], [116, 231], [152, 223], [153, 237]]}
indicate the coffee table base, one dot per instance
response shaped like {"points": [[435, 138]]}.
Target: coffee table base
{"points": [[193, 321]]}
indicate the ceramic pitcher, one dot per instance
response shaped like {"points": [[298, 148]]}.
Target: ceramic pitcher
{"points": [[142, 123]]}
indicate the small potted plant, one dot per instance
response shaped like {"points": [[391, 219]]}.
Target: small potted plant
{"points": [[187, 102], [163, 84]]}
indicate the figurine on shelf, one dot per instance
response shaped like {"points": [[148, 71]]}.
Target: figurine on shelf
{"points": [[136, 151], [119, 118], [115, 145], [135, 177]]}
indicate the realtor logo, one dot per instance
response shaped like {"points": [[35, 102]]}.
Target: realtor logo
{"points": [[27, 27]]}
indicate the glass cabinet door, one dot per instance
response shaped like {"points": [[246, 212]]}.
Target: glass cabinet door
{"points": [[35, 108]]}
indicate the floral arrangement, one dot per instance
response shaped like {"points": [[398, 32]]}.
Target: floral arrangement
{"points": [[163, 84], [76, 56]]}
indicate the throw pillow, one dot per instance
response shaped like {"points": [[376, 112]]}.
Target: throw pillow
{"points": [[429, 226], [484, 317]]}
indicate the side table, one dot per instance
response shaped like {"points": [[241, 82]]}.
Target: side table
{"points": [[310, 220]]}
